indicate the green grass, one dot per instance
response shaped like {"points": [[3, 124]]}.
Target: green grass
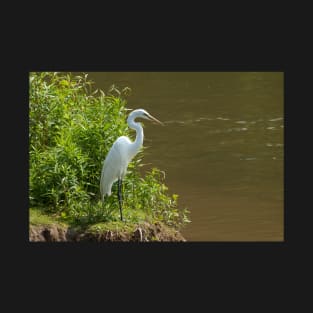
{"points": [[72, 126], [37, 217], [117, 226]]}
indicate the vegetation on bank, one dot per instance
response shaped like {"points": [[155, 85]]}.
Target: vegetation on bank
{"points": [[71, 129]]}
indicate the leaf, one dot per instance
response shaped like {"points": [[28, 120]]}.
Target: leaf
{"points": [[64, 83]]}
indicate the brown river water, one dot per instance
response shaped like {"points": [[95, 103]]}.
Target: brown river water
{"points": [[222, 147]]}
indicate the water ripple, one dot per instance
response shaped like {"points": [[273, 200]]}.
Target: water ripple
{"points": [[223, 118], [228, 130], [275, 119], [219, 118]]}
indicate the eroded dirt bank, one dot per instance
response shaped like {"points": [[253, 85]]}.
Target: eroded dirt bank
{"points": [[144, 232]]}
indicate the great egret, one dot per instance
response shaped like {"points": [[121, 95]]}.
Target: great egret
{"points": [[121, 153]]}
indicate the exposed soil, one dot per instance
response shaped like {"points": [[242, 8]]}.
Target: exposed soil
{"points": [[144, 232]]}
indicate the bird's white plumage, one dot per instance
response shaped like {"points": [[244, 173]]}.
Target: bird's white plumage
{"points": [[122, 152], [115, 164]]}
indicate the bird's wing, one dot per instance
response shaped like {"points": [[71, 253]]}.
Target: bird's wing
{"points": [[114, 165]]}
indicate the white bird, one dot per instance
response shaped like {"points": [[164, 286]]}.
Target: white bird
{"points": [[121, 153]]}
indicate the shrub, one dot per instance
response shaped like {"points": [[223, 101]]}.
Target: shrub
{"points": [[71, 129]]}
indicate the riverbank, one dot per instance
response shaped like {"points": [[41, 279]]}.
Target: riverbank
{"points": [[44, 228]]}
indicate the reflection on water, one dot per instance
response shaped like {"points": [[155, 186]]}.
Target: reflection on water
{"points": [[221, 147]]}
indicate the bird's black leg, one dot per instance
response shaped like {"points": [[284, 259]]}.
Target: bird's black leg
{"points": [[119, 194]]}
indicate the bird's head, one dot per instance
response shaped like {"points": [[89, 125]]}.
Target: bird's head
{"points": [[141, 113]]}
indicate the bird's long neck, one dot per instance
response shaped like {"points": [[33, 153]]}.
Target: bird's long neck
{"points": [[136, 145]]}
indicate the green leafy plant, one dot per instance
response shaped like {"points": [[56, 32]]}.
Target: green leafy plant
{"points": [[71, 129]]}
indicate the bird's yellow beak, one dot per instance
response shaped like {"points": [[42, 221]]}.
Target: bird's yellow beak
{"points": [[155, 120]]}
